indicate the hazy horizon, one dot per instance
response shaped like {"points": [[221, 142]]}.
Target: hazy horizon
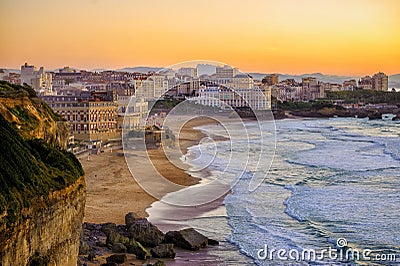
{"points": [[337, 37], [164, 67]]}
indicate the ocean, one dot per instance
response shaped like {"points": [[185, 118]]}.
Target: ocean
{"points": [[328, 194]]}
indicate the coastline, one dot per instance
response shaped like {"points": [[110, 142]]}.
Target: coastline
{"points": [[112, 191]]}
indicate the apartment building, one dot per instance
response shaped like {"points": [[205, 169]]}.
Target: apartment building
{"points": [[380, 82], [91, 115], [37, 79]]}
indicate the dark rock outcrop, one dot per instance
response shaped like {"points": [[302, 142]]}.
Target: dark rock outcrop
{"points": [[142, 238], [145, 233], [116, 258], [213, 242], [163, 251], [108, 227], [118, 248], [187, 238], [130, 219], [114, 237], [136, 248]]}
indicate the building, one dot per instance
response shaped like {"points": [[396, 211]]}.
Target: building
{"points": [[365, 83], [132, 112], [241, 81], [92, 116], [151, 88], [226, 72], [217, 95], [349, 84], [270, 80], [380, 82], [188, 71], [65, 77], [311, 89], [284, 92], [37, 79]]}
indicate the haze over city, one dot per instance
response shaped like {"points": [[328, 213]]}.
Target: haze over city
{"points": [[332, 37]]}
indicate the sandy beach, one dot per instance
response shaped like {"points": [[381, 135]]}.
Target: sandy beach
{"points": [[112, 191]]}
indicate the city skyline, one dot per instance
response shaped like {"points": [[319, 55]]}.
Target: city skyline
{"points": [[334, 37]]}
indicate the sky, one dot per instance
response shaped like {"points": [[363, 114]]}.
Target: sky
{"points": [[357, 37]]}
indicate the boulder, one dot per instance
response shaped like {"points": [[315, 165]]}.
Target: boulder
{"points": [[187, 239], [114, 237], [136, 248], [213, 242], [163, 251], [118, 248], [145, 233], [130, 218], [116, 258], [91, 226], [109, 264], [108, 227], [373, 115]]}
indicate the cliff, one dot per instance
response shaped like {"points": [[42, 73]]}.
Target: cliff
{"points": [[31, 117], [42, 189]]}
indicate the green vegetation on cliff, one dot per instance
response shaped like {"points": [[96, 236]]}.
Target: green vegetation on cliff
{"points": [[29, 170], [8, 90], [30, 167]]}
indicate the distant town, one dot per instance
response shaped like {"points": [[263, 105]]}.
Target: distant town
{"points": [[95, 102]]}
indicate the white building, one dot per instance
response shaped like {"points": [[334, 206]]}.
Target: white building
{"points": [[37, 79], [227, 98], [132, 112], [151, 88], [227, 89]]}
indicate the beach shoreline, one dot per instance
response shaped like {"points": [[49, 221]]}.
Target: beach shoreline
{"points": [[112, 191]]}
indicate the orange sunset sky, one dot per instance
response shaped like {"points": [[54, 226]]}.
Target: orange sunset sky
{"points": [[347, 37]]}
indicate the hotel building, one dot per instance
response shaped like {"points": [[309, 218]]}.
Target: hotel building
{"points": [[91, 116]]}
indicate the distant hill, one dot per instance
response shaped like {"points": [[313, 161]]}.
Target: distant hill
{"points": [[394, 81], [318, 76], [206, 69], [141, 69], [10, 70]]}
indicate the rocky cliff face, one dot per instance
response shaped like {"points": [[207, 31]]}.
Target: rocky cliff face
{"points": [[42, 189], [48, 233], [32, 117]]}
